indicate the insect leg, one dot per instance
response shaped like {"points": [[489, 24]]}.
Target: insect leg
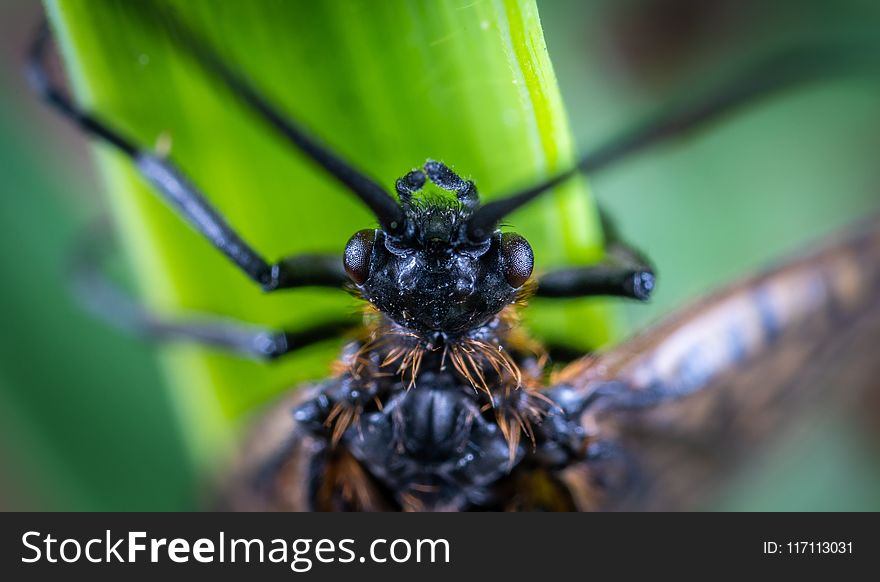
{"points": [[109, 302], [625, 272], [180, 193], [608, 279], [445, 178]]}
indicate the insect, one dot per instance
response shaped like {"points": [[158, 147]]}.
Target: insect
{"points": [[444, 403]]}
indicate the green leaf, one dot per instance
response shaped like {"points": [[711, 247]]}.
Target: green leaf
{"points": [[389, 84]]}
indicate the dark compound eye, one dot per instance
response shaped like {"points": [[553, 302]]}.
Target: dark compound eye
{"points": [[518, 259], [357, 255]]}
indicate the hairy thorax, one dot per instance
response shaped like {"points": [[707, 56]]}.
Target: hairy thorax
{"points": [[426, 423]]}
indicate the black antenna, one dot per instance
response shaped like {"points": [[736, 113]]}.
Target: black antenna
{"points": [[383, 205], [762, 79]]}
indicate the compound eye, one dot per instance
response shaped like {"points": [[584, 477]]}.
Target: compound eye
{"points": [[357, 255], [518, 258]]}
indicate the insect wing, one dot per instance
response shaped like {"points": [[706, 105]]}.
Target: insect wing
{"points": [[675, 410]]}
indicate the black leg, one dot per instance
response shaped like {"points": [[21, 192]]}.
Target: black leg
{"points": [[625, 272], [445, 178], [182, 195], [106, 300], [608, 279], [309, 270]]}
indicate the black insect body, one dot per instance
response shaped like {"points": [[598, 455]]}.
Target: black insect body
{"points": [[444, 404], [436, 402]]}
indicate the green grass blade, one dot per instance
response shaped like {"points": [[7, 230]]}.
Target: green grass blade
{"points": [[388, 84]]}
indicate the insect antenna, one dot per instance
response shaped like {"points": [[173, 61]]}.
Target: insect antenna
{"points": [[761, 79], [386, 209]]}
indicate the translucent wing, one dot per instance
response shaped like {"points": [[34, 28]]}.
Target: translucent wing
{"points": [[672, 411]]}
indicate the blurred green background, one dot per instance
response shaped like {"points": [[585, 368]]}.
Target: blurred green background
{"points": [[85, 423]]}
